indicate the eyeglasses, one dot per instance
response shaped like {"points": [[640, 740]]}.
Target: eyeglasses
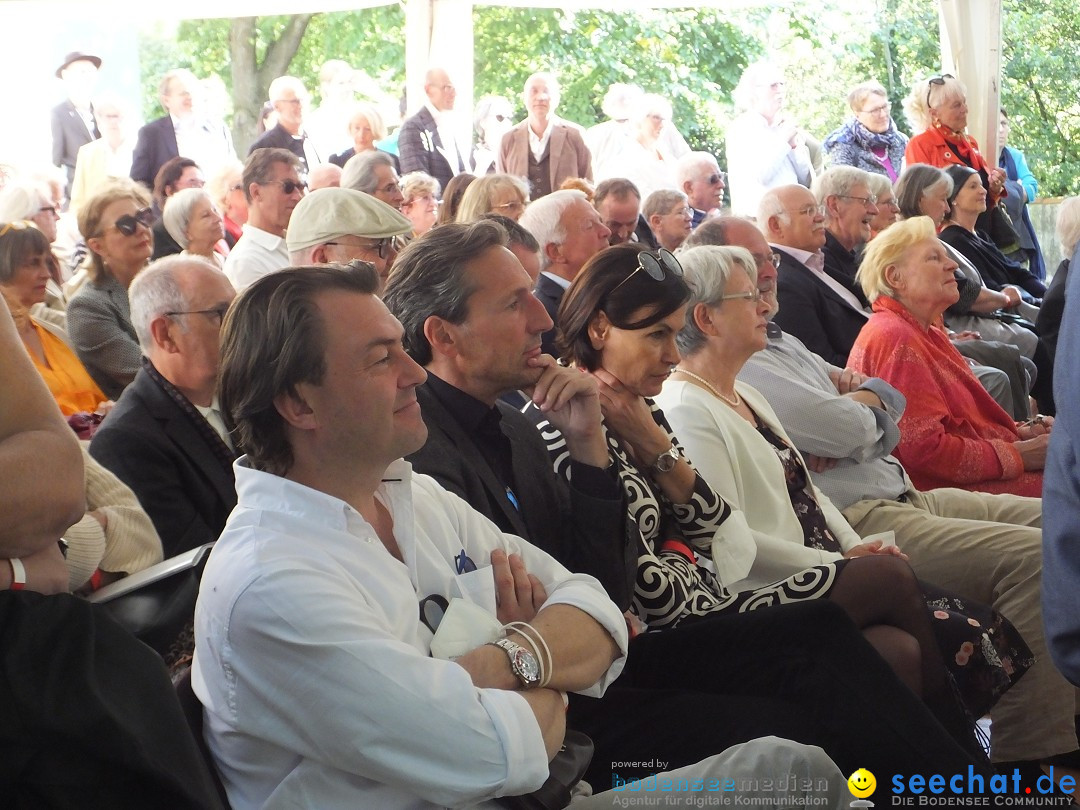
{"points": [[380, 246], [935, 80], [883, 109], [128, 223], [215, 314], [288, 186], [390, 188], [871, 200], [750, 295], [657, 267], [811, 210], [768, 258], [716, 177], [500, 117], [48, 209]]}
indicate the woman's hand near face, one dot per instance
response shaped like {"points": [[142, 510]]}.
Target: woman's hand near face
{"points": [[628, 416]]}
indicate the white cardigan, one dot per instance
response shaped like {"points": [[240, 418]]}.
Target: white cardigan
{"points": [[744, 469]]}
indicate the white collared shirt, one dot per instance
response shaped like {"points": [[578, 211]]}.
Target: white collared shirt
{"points": [[212, 414], [815, 262], [562, 282], [538, 143], [312, 661], [257, 253]]}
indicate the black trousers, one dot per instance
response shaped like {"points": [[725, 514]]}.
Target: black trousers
{"points": [[88, 716], [800, 671]]}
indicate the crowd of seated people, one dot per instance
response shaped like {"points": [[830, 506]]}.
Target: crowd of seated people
{"points": [[712, 476]]}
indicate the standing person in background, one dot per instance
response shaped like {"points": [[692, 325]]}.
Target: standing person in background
{"points": [[108, 156], [494, 117], [1022, 188], [73, 121], [544, 148], [426, 141], [765, 147], [328, 124], [869, 140], [290, 100]]}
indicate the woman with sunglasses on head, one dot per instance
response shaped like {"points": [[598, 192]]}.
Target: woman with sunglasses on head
{"points": [[938, 107], [618, 322], [116, 224]]}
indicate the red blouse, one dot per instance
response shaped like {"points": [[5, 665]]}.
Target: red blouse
{"points": [[952, 434]]}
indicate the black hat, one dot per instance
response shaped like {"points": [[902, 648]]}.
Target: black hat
{"points": [[77, 56]]}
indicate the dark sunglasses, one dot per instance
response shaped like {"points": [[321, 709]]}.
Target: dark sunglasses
{"points": [[129, 222], [500, 118], [935, 80], [288, 186], [657, 267], [715, 178]]}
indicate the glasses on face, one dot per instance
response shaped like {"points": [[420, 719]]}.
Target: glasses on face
{"points": [[935, 80], [657, 267], [768, 258], [380, 246], [500, 117], [20, 225], [288, 186], [48, 209], [682, 211], [749, 295], [716, 177], [867, 201], [215, 314], [811, 210], [882, 110], [129, 223], [889, 203], [390, 188]]}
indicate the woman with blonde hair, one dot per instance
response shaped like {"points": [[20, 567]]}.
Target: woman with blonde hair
{"points": [[502, 194], [869, 140], [115, 223], [952, 434]]}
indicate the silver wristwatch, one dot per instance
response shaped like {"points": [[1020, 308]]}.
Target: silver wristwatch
{"points": [[666, 461], [522, 662]]}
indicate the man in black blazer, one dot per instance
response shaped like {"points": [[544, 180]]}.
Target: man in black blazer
{"points": [[290, 100], [480, 348], [164, 438], [426, 142], [73, 123], [813, 306]]}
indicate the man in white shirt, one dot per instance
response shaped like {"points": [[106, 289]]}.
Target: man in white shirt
{"points": [[427, 142], [313, 661], [273, 189]]}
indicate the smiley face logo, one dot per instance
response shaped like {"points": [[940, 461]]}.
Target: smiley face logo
{"points": [[862, 783]]}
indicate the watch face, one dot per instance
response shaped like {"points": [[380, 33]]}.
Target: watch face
{"points": [[666, 462], [525, 664]]}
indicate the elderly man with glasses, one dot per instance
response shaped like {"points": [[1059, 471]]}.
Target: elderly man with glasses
{"points": [[165, 437]]}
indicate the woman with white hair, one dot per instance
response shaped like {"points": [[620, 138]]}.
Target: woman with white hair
{"points": [[647, 157], [30, 201], [493, 118], [1053, 304], [192, 219], [421, 205], [869, 140], [365, 128]]}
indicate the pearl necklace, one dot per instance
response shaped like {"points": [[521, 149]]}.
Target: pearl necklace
{"points": [[734, 403]]}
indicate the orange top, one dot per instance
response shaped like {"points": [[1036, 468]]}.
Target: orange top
{"points": [[69, 382]]}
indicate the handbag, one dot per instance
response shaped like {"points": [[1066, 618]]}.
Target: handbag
{"points": [[564, 772]]}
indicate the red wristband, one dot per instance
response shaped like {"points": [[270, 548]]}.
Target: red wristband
{"points": [[680, 547]]}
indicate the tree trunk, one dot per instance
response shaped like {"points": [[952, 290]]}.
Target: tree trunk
{"points": [[250, 80]]}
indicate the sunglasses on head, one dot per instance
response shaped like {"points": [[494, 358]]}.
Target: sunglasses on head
{"points": [[657, 267], [129, 222], [936, 80]]}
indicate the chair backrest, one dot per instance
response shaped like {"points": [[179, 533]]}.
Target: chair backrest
{"points": [[193, 713]]}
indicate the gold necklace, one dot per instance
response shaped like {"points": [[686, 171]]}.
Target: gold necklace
{"points": [[734, 403]]}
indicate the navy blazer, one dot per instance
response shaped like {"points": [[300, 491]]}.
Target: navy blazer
{"points": [[814, 313], [151, 445], [418, 149], [550, 294], [156, 145], [586, 534], [278, 137]]}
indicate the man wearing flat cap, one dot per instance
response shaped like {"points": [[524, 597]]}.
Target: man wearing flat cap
{"points": [[73, 123], [341, 224]]}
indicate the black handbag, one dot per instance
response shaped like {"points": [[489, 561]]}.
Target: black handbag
{"points": [[564, 772]]}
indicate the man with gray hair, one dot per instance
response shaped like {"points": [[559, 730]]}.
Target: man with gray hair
{"points": [[339, 225], [374, 173], [166, 438], [290, 99], [427, 142], [570, 231], [700, 178], [273, 189]]}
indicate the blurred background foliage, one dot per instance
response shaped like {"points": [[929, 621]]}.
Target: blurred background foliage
{"points": [[693, 57]]}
